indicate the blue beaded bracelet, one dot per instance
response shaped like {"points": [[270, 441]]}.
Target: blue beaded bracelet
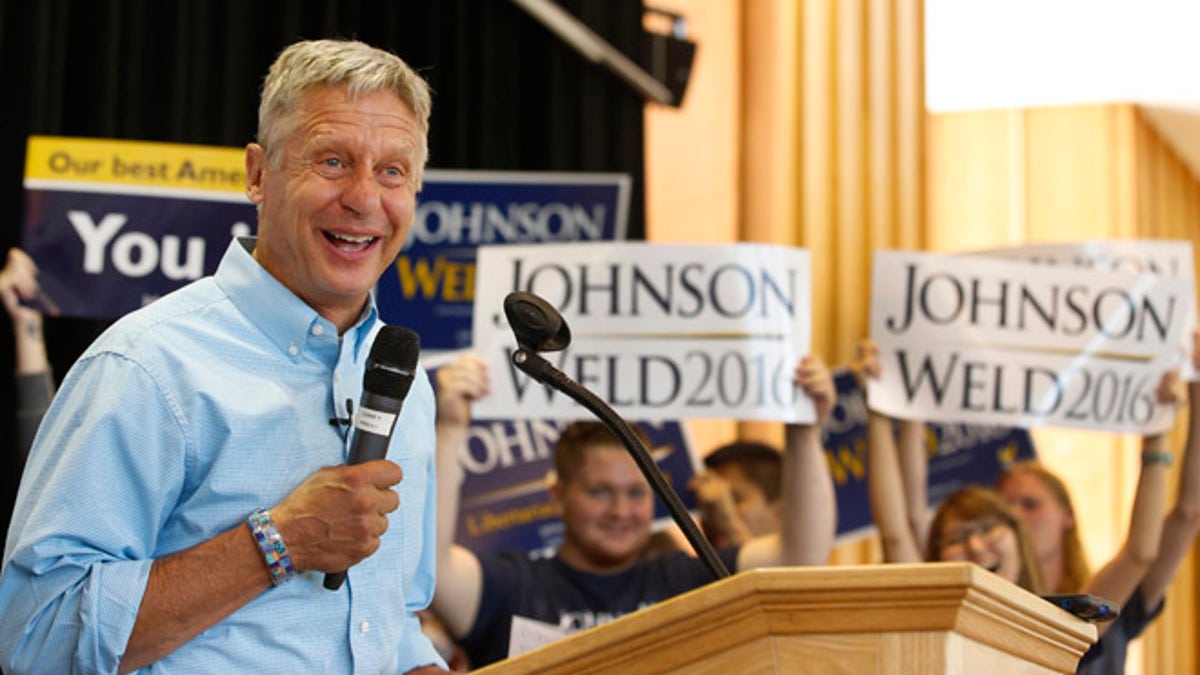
{"points": [[274, 551]]}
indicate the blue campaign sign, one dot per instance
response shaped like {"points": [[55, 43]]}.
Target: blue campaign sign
{"points": [[959, 454], [432, 284], [104, 249], [103, 254], [505, 504]]}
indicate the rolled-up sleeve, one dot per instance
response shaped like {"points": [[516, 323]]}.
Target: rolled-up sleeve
{"points": [[103, 473]]}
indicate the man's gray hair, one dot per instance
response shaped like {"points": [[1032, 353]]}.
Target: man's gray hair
{"points": [[357, 66]]}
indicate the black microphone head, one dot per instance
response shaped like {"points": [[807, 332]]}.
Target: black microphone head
{"points": [[392, 362], [536, 324]]}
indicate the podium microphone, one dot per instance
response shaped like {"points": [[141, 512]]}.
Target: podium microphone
{"points": [[391, 365], [539, 327]]}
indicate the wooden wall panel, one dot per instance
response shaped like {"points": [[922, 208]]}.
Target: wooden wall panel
{"points": [[975, 187], [1075, 188], [1168, 206], [852, 119], [815, 186], [1007, 177], [693, 151]]}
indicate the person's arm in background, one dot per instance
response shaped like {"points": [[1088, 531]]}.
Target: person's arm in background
{"points": [[457, 595], [914, 470], [809, 503], [35, 384], [1182, 524], [1120, 576], [886, 485]]}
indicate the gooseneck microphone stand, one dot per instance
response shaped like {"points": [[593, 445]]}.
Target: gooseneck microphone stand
{"points": [[543, 371]]}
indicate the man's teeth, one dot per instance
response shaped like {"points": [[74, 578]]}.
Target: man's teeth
{"points": [[365, 239]]}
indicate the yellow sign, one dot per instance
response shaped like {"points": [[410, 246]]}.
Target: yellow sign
{"points": [[135, 163]]}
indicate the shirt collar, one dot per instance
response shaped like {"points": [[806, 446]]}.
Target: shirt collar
{"points": [[280, 314]]}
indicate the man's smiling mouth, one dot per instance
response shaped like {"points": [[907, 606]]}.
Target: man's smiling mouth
{"points": [[348, 242]]}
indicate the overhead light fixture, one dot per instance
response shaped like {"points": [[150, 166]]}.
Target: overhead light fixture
{"points": [[670, 56]]}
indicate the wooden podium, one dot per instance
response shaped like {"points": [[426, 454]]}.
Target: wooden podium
{"points": [[923, 618]]}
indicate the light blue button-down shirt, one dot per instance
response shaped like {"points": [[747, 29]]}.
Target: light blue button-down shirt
{"points": [[178, 422]]}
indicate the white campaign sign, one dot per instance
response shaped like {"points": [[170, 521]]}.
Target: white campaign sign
{"points": [[989, 341], [1168, 257], [659, 331]]}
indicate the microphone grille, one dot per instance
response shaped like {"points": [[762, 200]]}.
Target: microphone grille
{"points": [[392, 362]]}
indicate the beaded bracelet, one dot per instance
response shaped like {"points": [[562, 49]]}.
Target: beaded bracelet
{"points": [[274, 551], [1156, 458]]}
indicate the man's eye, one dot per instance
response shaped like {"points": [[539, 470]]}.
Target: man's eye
{"points": [[395, 175], [332, 162]]}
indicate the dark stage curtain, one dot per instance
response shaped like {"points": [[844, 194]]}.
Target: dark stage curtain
{"points": [[507, 93]]}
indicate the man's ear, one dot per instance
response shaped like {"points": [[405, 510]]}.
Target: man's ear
{"points": [[256, 164]]}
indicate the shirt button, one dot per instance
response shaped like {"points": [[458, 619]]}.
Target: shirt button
{"points": [[337, 377], [293, 349], [318, 329], [364, 626]]}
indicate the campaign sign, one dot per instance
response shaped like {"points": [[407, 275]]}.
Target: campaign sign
{"points": [[959, 455], [988, 341], [107, 256], [432, 284], [659, 331], [1168, 257], [113, 225]]}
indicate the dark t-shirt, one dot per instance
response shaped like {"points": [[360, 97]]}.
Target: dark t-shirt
{"points": [[34, 392], [1107, 655], [549, 591]]}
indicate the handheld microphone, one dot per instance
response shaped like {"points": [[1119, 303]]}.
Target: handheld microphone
{"points": [[391, 366]]}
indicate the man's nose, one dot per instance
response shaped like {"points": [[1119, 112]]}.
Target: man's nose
{"points": [[361, 191], [621, 505]]}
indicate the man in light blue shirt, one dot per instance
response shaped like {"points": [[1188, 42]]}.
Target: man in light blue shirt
{"points": [[187, 492]]}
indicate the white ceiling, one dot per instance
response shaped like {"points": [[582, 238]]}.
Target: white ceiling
{"points": [[1023, 53]]}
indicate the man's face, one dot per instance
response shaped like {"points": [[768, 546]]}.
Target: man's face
{"points": [[607, 507], [761, 516], [335, 212]]}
